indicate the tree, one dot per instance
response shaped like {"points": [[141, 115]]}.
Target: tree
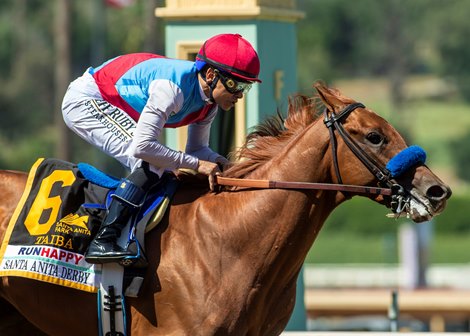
{"points": [[62, 73], [460, 153], [30, 70], [450, 31]]}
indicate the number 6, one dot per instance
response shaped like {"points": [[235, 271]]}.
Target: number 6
{"points": [[43, 201]]}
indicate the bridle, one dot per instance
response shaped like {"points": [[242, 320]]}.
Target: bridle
{"points": [[387, 185], [333, 121]]}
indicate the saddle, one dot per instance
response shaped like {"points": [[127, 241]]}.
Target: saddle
{"points": [[150, 214], [59, 214]]}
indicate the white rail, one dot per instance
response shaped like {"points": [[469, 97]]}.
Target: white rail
{"points": [[364, 275], [362, 333]]}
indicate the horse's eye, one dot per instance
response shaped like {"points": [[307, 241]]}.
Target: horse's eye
{"points": [[374, 137]]}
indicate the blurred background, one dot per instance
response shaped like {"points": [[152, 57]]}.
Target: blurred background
{"points": [[407, 60]]}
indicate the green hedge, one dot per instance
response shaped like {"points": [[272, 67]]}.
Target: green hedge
{"points": [[455, 218], [363, 216]]}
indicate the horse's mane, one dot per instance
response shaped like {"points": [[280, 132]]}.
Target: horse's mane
{"points": [[266, 140]]}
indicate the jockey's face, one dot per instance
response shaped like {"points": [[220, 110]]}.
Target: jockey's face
{"points": [[225, 99], [222, 96]]}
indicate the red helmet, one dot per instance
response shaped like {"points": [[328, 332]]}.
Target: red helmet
{"points": [[233, 54]]}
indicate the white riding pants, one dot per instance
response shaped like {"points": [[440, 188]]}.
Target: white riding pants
{"points": [[99, 123]]}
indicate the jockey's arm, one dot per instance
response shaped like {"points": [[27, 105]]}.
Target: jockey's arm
{"points": [[198, 140], [164, 98]]}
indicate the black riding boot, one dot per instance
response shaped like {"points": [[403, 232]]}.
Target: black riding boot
{"points": [[124, 203]]}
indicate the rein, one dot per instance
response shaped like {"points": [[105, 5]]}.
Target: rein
{"points": [[333, 121], [269, 184]]}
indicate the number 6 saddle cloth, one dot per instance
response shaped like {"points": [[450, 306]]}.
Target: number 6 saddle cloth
{"points": [[57, 217]]}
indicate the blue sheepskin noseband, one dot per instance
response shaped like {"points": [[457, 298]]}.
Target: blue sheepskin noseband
{"points": [[407, 158]]}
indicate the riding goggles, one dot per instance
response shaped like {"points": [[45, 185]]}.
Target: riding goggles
{"points": [[233, 86]]}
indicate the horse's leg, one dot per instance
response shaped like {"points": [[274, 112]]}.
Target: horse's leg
{"points": [[12, 323], [56, 310]]}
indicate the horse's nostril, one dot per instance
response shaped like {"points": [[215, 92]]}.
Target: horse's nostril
{"points": [[438, 193]]}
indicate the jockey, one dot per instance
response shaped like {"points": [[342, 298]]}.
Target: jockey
{"points": [[122, 106]]}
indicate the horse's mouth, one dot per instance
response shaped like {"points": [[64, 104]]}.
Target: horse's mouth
{"points": [[420, 211], [423, 208], [419, 208], [416, 206]]}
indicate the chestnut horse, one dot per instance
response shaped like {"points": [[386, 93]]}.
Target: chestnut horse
{"points": [[226, 263]]}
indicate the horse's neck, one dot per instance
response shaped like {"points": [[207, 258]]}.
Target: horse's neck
{"points": [[287, 222], [305, 159], [263, 235]]}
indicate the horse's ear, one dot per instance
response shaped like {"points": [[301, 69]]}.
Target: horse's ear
{"points": [[330, 97]]}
